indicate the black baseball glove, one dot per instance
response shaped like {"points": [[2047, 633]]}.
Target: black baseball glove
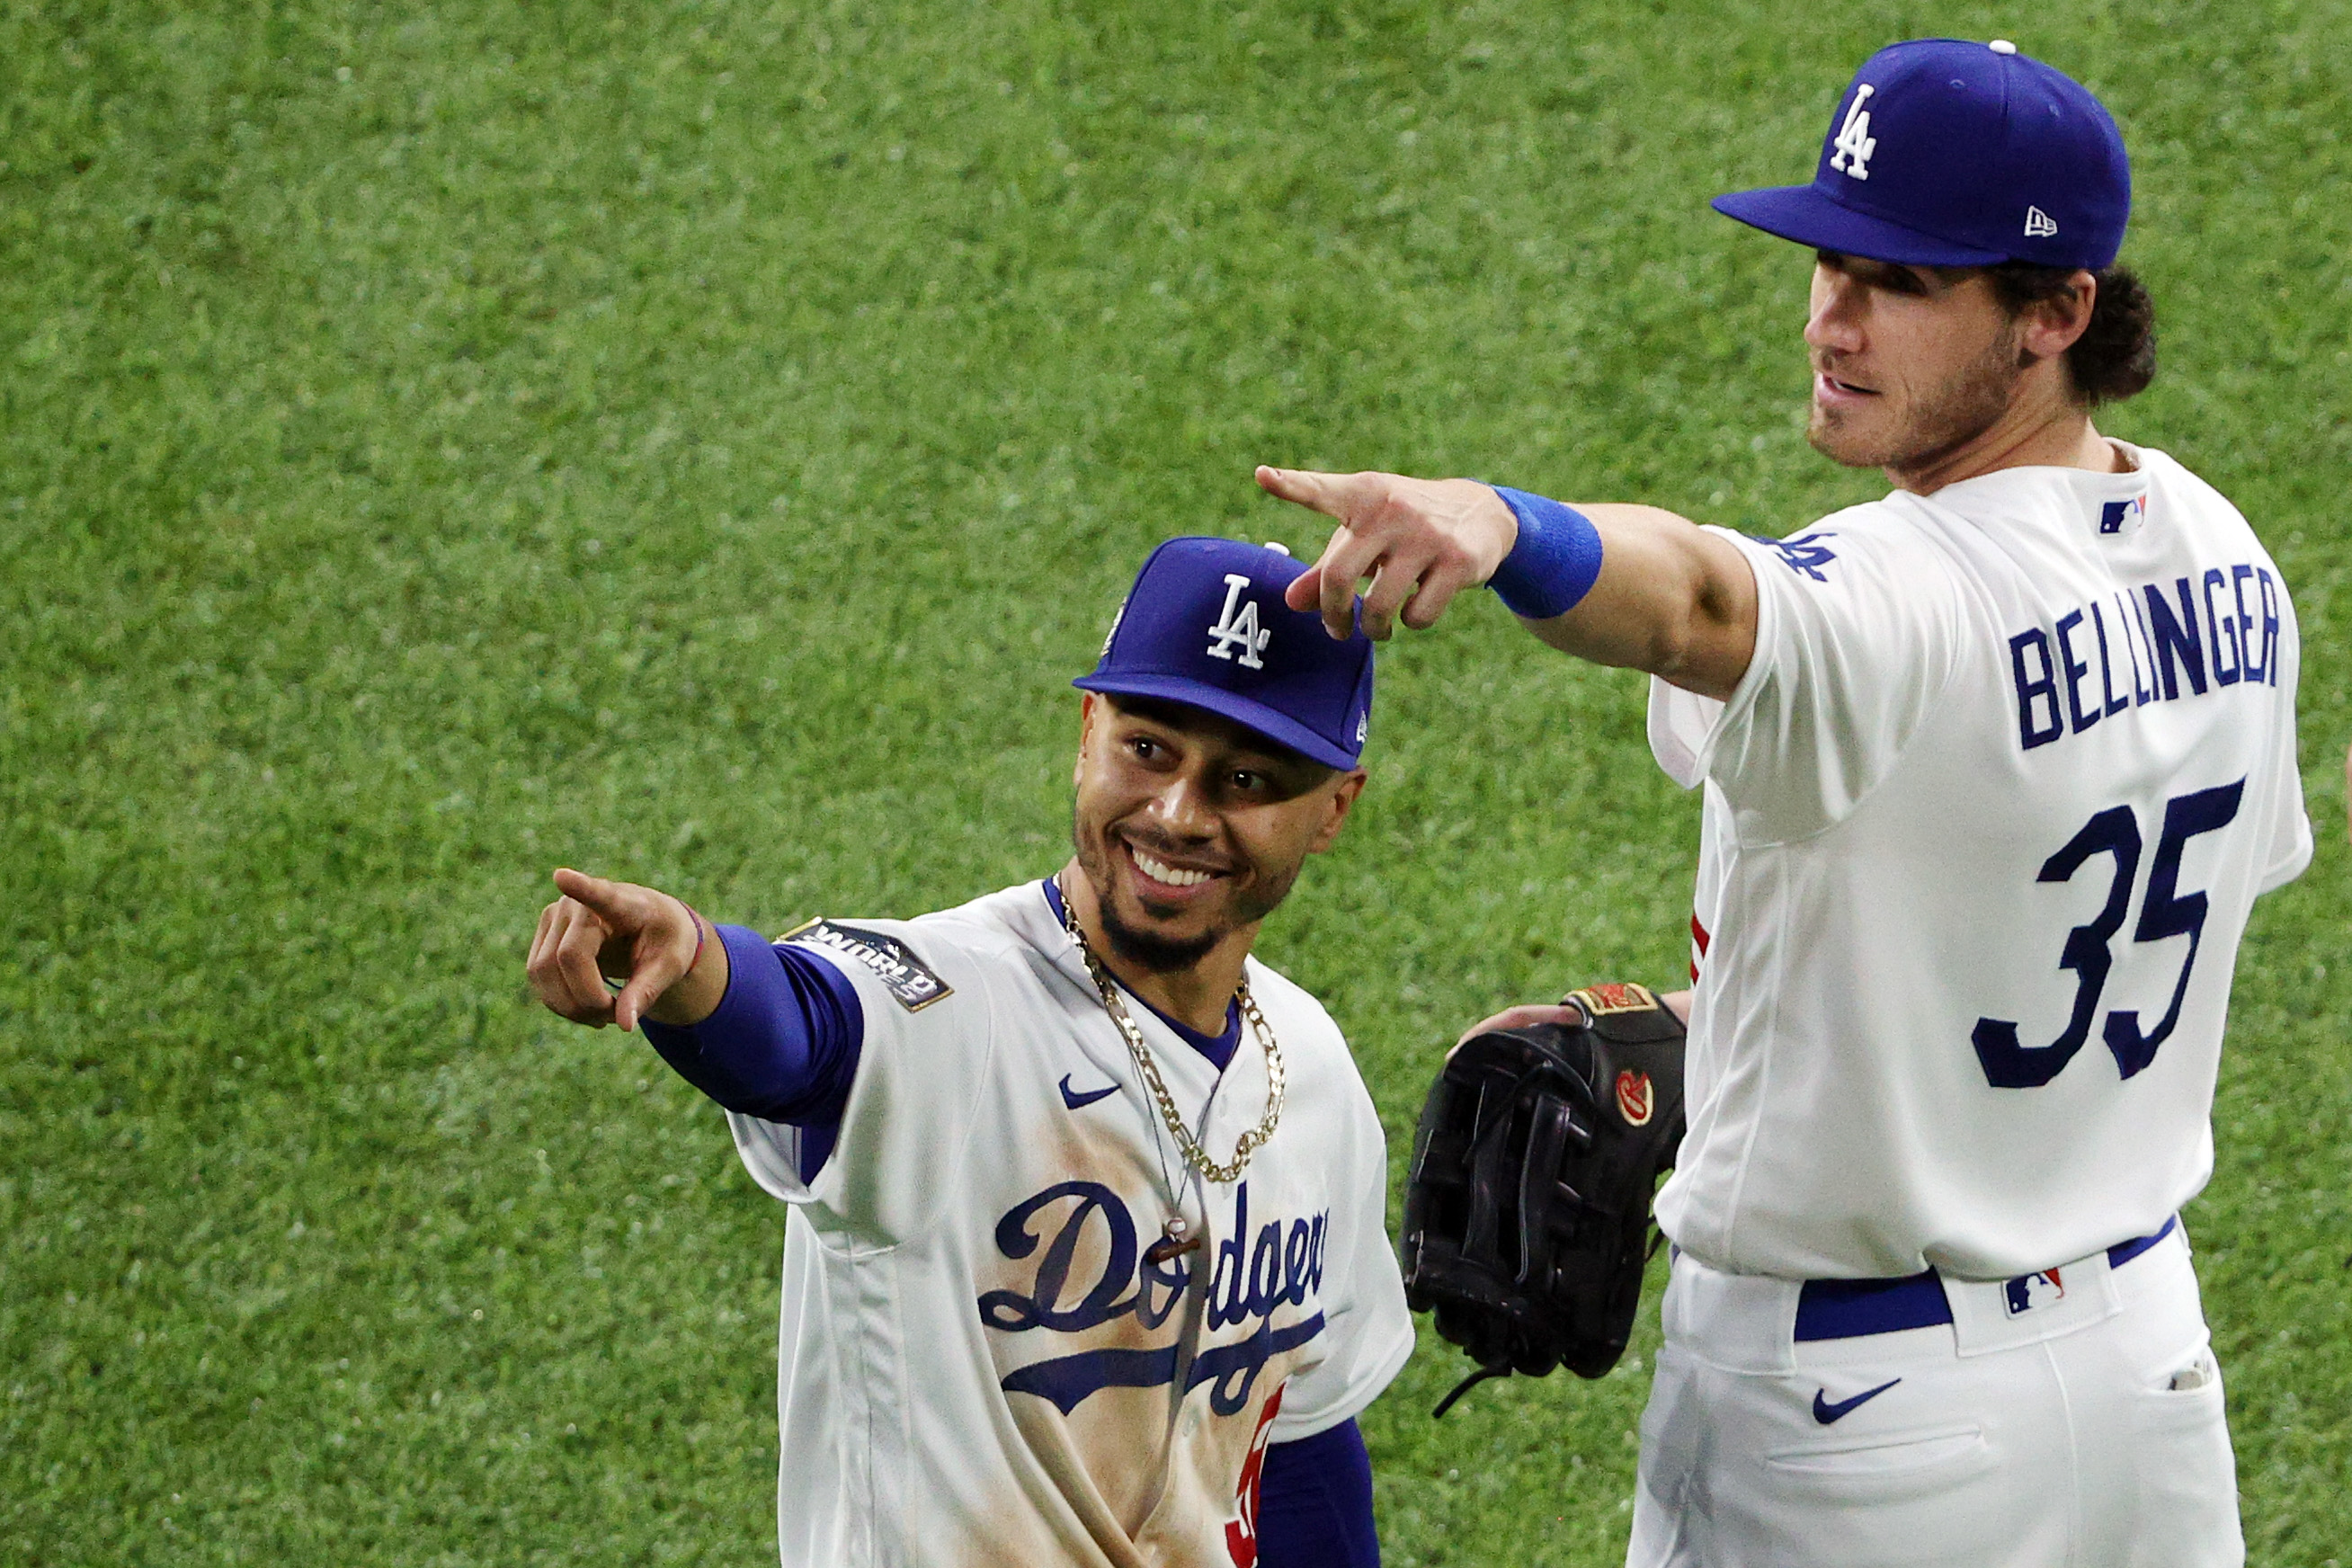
{"points": [[1526, 1212]]}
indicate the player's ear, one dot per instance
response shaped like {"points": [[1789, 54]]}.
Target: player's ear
{"points": [[1338, 800], [1088, 712], [2051, 326]]}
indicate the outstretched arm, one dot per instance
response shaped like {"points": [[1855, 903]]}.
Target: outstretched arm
{"points": [[1632, 586]]}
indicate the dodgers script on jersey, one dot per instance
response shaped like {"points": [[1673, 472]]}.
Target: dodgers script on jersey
{"points": [[980, 1363], [1983, 824]]}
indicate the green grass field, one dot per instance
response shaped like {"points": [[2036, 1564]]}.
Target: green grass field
{"points": [[699, 442]]}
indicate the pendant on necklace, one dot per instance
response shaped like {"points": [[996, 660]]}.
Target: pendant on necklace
{"points": [[1172, 1242]]}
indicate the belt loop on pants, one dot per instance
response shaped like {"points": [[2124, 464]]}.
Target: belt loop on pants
{"points": [[1848, 1309]]}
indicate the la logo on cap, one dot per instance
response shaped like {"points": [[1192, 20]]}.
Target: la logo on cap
{"points": [[1851, 151], [1241, 630]]}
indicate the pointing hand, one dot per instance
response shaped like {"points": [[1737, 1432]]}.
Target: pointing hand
{"points": [[599, 928], [1420, 541]]}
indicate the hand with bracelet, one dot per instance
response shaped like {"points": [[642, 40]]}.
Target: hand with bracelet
{"points": [[652, 943]]}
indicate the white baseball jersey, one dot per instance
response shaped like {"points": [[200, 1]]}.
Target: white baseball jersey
{"points": [[1983, 824], [979, 1363]]}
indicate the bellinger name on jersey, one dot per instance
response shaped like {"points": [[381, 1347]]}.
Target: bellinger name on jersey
{"points": [[2209, 633]]}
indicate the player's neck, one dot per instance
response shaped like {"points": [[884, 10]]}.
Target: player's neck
{"points": [[1196, 995], [2042, 429]]}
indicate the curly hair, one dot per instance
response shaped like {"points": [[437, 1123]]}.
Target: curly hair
{"points": [[2115, 355]]}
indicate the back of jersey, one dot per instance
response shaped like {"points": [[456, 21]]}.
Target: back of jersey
{"points": [[1985, 821]]}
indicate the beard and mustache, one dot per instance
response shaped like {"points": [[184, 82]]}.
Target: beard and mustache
{"points": [[1153, 951], [1945, 420]]}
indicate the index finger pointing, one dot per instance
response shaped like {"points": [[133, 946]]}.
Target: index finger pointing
{"points": [[607, 898], [1337, 496], [1303, 486]]}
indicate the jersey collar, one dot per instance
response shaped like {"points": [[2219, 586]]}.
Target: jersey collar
{"points": [[1218, 1049]]}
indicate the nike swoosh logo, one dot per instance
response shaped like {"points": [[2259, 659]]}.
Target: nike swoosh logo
{"points": [[1825, 1413], [1076, 1101]]}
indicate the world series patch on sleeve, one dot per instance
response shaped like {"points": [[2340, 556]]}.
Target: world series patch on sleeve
{"points": [[1526, 1209], [909, 979]]}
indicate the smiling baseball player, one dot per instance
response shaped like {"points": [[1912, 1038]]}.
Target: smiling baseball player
{"points": [[1993, 769], [1087, 1262]]}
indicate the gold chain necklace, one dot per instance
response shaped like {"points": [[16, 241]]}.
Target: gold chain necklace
{"points": [[1189, 1146]]}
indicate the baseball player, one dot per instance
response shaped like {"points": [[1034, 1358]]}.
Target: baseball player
{"points": [[1993, 770], [1086, 1261]]}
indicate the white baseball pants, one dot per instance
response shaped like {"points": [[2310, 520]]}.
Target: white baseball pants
{"points": [[2084, 1431]]}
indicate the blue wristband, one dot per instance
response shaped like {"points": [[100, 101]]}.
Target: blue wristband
{"points": [[1554, 563]]}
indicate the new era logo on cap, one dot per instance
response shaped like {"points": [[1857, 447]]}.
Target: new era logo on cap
{"points": [[2039, 222]]}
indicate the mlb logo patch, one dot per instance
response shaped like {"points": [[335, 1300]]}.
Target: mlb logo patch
{"points": [[2028, 1291], [2118, 518]]}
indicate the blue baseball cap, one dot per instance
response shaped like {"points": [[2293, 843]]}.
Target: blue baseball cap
{"points": [[1948, 153], [1205, 625]]}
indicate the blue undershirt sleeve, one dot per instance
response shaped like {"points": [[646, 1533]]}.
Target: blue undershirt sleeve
{"points": [[1314, 1503], [783, 1044]]}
